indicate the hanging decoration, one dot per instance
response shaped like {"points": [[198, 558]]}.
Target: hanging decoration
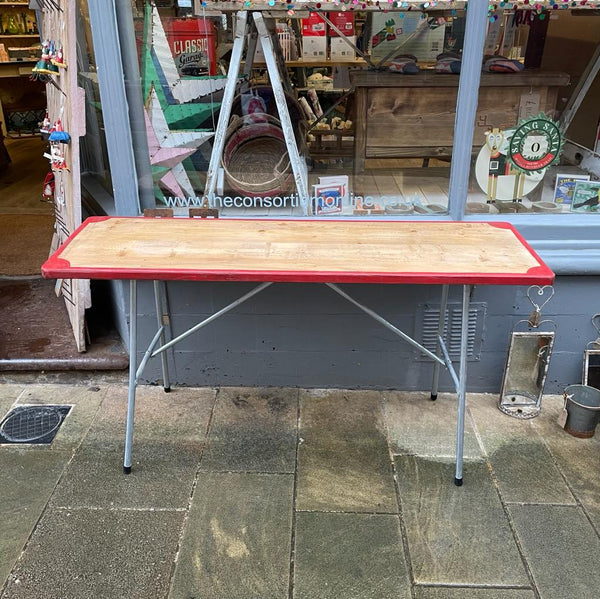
{"points": [[48, 188], [44, 65], [538, 8], [528, 359], [58, 139]]}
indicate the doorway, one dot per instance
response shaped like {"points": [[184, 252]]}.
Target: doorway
{"points": [[35, 332]]}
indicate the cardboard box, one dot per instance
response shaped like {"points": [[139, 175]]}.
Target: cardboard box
{"points": [[314, 26], [344, 21], [340, 50], [390, 30], [314, 48]]}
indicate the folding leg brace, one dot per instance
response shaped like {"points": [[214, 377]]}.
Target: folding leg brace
{"points": [[135, 371]]}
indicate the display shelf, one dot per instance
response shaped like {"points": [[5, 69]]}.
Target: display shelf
{"points": [[316, 63], [22, 35]]}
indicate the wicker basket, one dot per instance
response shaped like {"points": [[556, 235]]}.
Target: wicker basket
{"points": [[255, 158]]}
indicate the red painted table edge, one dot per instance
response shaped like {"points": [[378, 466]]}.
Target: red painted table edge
{"points": [[57, 267]]}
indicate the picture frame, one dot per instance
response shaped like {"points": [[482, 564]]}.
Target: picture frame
{"points": [[591, 368], [565, 187], [586, 197]]}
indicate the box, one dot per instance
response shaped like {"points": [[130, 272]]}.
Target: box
{"points": [[314, 48], [344, 21], [314, 26], [390, 31], [192, 43], [340, 50]]}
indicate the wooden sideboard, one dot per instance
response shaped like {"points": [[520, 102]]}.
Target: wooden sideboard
{"points": [[409, 116]]}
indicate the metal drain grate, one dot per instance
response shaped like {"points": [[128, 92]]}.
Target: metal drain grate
{"points": [[32, 424]]}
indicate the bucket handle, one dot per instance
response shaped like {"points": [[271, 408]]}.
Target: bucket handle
{"points": [[568, 398]]}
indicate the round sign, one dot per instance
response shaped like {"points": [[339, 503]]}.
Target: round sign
{"points": [[535, 144]]}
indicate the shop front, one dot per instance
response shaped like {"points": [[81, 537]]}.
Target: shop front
{"points": [[421, 112]]}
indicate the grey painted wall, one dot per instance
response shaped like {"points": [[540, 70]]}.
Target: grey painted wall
{"points": [[305, 335]]}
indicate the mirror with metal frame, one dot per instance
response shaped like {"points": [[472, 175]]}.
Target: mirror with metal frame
{"points": [[591, 368], [525, 373]]}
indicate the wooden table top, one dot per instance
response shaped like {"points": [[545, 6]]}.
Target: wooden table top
{"points": [[334, 251]]}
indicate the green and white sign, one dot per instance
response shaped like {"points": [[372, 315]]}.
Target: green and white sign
{"points": [[535, 144]]}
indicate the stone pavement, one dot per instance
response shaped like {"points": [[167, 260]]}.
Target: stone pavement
{"points": [[241, 493]]}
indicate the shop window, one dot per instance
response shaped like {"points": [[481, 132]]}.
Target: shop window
{"points": [[372, 121], [525, 131], [371, 98]]}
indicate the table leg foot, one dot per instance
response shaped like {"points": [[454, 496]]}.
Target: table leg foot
{"points": [[126, 469], [433, 396], [167, 389], [458, 482]]}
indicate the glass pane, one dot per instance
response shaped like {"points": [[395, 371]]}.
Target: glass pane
{"points": [[372, 111], [533, 61], [94, 155]]}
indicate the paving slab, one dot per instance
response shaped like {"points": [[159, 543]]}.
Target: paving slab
{"points": [[354, 556], [253, 430], [8, 396], [561, 548], [343, 457], [182, 415], [162, 477], [419, 426], [237, 539], [78, 554], [27, 480], [577, 459], [472, 593], [523, 466], [170, 433], [86, 401], [456, 535]]}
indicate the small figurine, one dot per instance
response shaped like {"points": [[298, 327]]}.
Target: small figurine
{"points": [[58, 59]]}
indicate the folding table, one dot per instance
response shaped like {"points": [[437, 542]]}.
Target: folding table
{"points": [[299, 251]]}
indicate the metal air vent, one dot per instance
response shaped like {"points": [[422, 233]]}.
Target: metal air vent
{"points": [[427, 328]]}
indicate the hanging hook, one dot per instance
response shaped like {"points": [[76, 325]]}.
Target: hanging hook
{"points": [[535, 317], [541, 292], [596, 325]]}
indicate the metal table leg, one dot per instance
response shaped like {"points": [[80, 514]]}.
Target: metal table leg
{"points": [[438, 351], [132, 374], [162, 320], [462, 385]]}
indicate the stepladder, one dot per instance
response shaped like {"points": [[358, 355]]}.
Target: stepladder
{"points": [[252, 28]]}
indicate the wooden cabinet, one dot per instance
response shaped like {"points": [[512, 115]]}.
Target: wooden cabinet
{"points": [[408, 116]]}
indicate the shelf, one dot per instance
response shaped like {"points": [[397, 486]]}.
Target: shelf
{"points": [[7, 35], [14, 3], [316, 63]]}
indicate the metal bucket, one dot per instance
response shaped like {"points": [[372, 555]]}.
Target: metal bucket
{"points": [[583, 410]]}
